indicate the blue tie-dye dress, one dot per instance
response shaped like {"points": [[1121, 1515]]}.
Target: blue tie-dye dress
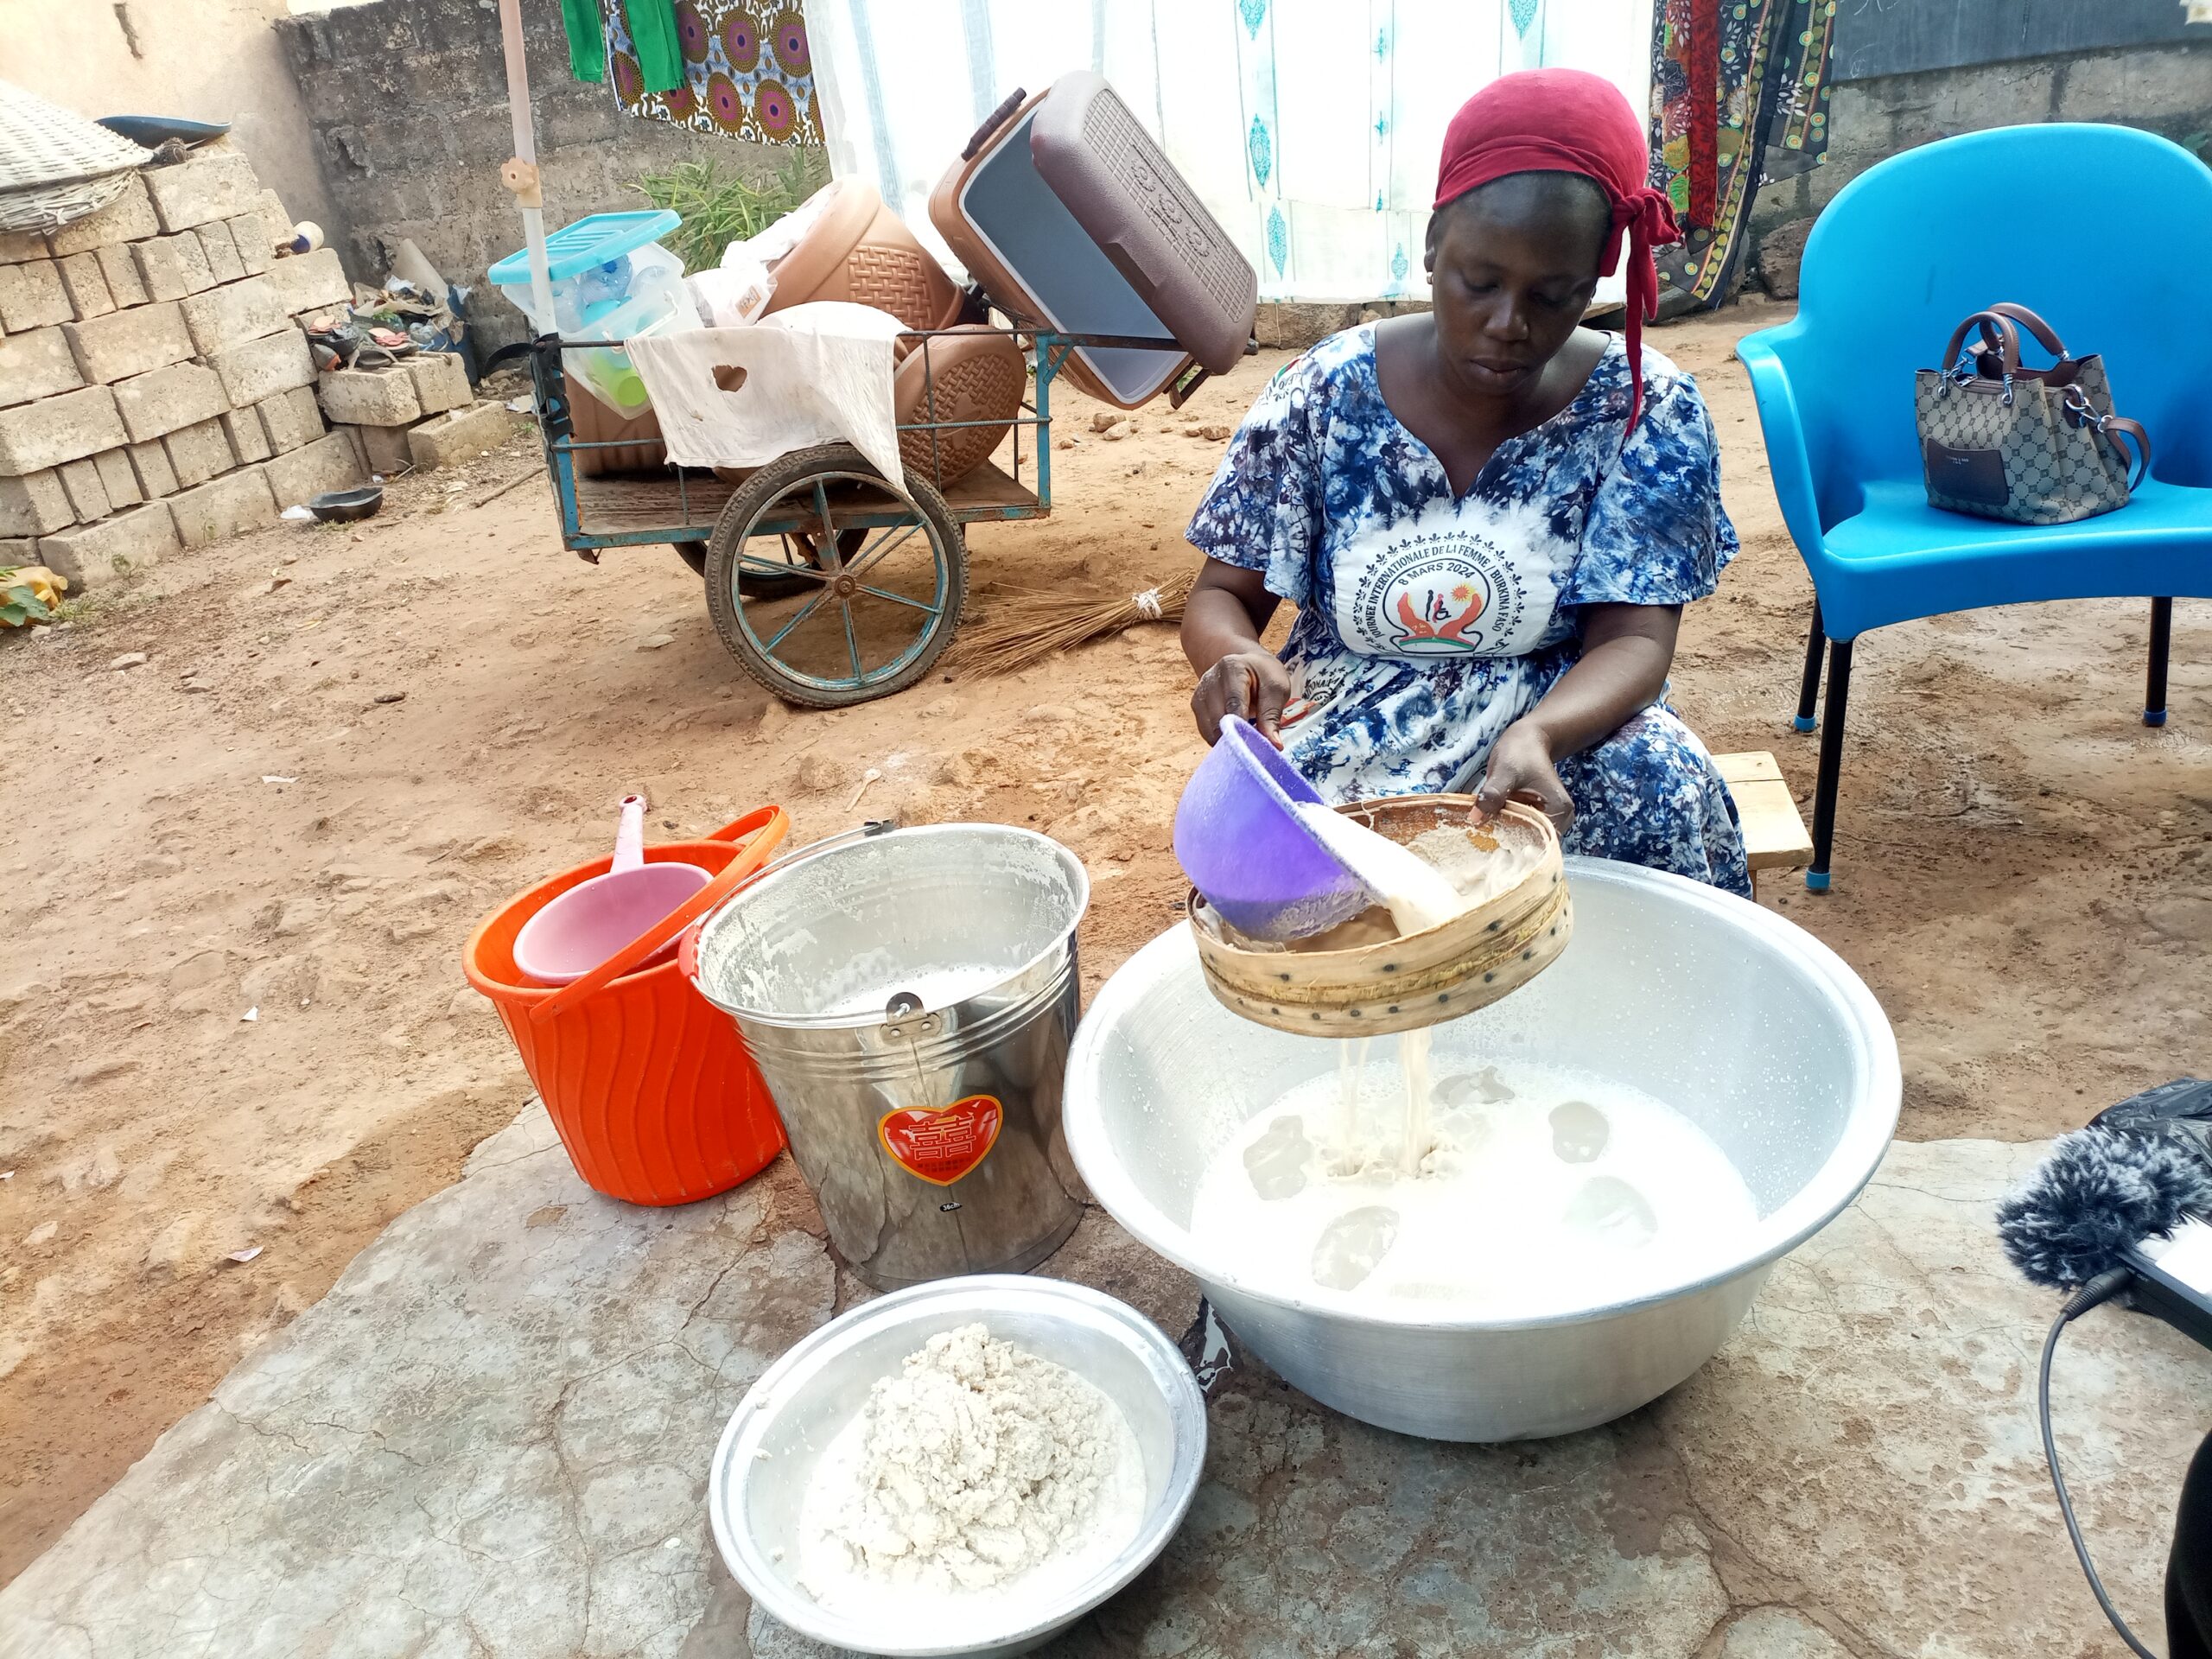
{"points": [[1428, 623]]}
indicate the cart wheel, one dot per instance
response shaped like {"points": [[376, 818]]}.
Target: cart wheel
{"points": [[864, 607]]}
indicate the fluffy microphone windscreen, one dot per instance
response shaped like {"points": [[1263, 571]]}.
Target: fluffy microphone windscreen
{"points": [[2096, 1194]]}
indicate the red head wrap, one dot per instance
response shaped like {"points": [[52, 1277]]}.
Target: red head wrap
{"points": [[1569, 121]]}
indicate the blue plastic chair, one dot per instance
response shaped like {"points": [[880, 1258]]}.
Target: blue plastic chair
{"points": [[2104, 231]]}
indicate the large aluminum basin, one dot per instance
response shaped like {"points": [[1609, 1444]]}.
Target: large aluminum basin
{"points": [[1742, 1021]]}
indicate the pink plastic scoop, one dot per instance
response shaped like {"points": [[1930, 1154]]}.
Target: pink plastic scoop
{"points": [[593, 919]]}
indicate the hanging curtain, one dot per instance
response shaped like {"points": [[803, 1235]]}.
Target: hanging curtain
{"points": [[1739, 98], [1310, 128], [747, 73]]}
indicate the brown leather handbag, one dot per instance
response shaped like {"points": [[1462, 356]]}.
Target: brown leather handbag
{"points": [[2031, 445]]}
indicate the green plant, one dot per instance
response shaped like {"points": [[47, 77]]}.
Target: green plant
{"points": [[718, 209], [19, 601]]}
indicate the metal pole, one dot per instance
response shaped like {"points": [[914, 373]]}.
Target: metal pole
{"points": [[519, 172]]}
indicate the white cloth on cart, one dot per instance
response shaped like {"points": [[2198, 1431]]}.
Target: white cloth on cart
{"points": [[815, 374], [1310, 128]]}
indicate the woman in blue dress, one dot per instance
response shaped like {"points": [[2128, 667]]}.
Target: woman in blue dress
{"points": [[1488, 516]]}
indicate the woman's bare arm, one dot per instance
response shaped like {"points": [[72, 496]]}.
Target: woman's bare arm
{"points": [[1626, 651], [1227, 611]]}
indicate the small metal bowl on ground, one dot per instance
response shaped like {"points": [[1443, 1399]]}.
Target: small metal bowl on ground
{"points": [[1401, 983], [344, 506], [767, 1454]]}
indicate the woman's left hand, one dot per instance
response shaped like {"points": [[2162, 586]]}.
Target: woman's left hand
{"points": [[1521, 769]]}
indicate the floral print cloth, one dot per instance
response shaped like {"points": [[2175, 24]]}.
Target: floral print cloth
{"points": [[1428, 623], [748, 72], [1740, 99]]}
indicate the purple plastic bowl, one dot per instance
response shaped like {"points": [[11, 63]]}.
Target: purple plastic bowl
{"points": [[1242, 846]]}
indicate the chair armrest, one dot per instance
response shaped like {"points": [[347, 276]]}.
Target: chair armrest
{"points": [[1788, 461]]}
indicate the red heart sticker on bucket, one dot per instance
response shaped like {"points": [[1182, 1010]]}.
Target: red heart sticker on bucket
{"points": [[945, 1144]]}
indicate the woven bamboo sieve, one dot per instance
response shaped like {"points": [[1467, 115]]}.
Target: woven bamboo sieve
{"points": [[1402, 984]]}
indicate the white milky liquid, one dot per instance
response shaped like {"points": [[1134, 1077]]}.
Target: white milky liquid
{"points": [[1536, 1190], [1417, 894]]}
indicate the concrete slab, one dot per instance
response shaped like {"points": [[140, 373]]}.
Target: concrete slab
{"points": [[490, 1438]]}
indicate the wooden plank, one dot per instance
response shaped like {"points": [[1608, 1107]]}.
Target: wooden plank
{"points": [[1754, 765], [613, 506], [987, 489], [1775, 837]]}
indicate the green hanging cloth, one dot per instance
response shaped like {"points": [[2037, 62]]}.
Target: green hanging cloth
{"points": [[652, 31], [587, 39]]}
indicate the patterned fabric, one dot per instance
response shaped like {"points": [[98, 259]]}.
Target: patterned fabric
{"points": [[748, 72], [1740, 99], [1428, 623], [1650, 795]]}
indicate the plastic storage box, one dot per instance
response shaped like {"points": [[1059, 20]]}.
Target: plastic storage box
{"points": [[1069, 215], [612, 280]]}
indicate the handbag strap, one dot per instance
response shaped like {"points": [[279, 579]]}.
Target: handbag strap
{"points": [[2046, 336], [2116, 427], [2112, 428]]}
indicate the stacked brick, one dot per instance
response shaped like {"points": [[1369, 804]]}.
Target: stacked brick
{"points": [[418, 414], [155, 386]]}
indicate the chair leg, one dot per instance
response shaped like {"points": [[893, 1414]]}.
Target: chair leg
{"points": [[1824, 792], [2162, 636], [1809, 694]]}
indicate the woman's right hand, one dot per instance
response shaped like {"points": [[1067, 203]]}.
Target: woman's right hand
{"points": [[1251, 684]]}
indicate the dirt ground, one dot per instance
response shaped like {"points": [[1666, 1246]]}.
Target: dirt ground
{"points": [[235, 879]]}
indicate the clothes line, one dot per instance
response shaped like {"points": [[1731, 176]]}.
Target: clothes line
{"points": [[1309, 128]]}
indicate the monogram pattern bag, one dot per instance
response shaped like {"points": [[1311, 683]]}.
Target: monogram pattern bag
{"points": [[2031, 445]]}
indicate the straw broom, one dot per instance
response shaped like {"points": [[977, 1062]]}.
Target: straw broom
{"points": [[1037, 623]]}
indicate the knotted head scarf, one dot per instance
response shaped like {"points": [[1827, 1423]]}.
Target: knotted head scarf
{"points": [[1569, 121]]}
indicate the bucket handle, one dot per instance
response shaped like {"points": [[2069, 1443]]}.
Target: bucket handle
{"points": [[768, 826], [738, 829], [687, 953]]}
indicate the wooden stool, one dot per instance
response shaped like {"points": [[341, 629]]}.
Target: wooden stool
{"points": [[1774, 835]]}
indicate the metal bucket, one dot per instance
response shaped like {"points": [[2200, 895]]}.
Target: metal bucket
{"points": [[909, 997]]}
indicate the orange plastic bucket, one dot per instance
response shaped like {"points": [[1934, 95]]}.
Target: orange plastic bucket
{"points": [[649, 1085]]}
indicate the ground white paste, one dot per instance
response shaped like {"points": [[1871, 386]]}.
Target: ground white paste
{"points": [[979, 1483], [1483, 861]]}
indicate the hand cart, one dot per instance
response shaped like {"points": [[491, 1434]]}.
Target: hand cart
{"points": [[829, 584]]}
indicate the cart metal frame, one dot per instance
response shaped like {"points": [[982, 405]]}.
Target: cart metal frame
{"points": [[826, 502], [698, 500]]}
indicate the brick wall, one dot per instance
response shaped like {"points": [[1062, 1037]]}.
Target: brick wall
{"points": [[2166, 90], [407, 100], [156, 390]]}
